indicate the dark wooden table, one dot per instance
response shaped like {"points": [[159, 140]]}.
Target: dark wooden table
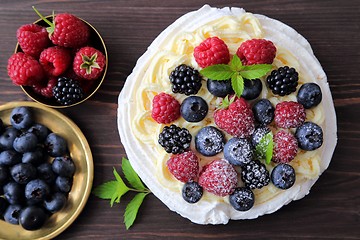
{"points": [[331, 211]]}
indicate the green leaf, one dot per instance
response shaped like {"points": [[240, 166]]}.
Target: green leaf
{"points": [[236, 64], [131, 175], [269, 150], [106, 190], [121, 190], [217, 72], [264, 149], [237, 83], [255, 71], [132, 209]]}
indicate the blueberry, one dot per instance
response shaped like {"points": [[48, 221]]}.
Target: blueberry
{"points": [[55, 203], [32, 218], [264, 111], [3, 206], [194, 109], [219, 88], [258, 134], [309, 95], [23, 173], [14, 193], [12, 214], [35, 158], [9, 158], [21, 118], [8, 137], [242, 199], [63, 166], [26, 142], [238, 151], [55, 145], [40, 131], [252, 89], [36, 191], [283, 176], [4, 175], [63, 184], [309, 136], [209, 141], [46, 173], [192, 192]]}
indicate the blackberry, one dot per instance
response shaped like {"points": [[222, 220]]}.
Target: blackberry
{"points": [[175, 139], [283, 81], [67, 91], [185, 79], [255, 175]]}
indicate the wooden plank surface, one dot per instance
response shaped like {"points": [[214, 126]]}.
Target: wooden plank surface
{"points": [[331, 211]]}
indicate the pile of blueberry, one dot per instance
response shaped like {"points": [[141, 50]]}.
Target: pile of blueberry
{"points": [[36, 172]]}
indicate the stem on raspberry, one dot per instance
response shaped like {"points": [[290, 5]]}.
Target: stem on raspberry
{"points": [[52, 25]]}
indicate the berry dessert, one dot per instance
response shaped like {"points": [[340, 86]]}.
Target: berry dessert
{"points": [[256, 125]]}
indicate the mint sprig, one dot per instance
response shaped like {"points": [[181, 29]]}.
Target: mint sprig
{"points": [[264, 149], [236, 72], [114, 190]]}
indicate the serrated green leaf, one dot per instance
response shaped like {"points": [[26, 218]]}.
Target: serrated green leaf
{"points": [[269, 150], [255, 71], [105, 190], [131, 175], [237, 83], [264, 149], [217, 72], [132, 209], [236, 64]]}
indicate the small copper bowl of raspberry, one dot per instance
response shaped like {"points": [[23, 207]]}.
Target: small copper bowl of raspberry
{"points": [[59, 61]]}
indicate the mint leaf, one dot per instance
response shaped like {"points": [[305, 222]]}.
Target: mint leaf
{"points": [[132, 209], [236, 64], [106, 190], [264, 149], [269, 150], [217, 72], [131, 175], [121, 188], [255, 71], [237, 83]]}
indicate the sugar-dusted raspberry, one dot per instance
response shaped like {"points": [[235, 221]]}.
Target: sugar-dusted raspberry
{"points": [[55, 60], [211, 51], [32, 39], [237, 120], [218, 177], [47, 90], [289, 114], [285, 147], [165, 108], [256, 51], [184, 167]]}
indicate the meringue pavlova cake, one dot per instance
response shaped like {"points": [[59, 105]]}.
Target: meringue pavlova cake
{"points": [[227, 115]]}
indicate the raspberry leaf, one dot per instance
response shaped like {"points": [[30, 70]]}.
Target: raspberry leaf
{"points": [[51, 27], [89, 63], [217, 72], [226, 102], [255, 71], [132, 209], [131, 175], [264, 149], [237, 83]]}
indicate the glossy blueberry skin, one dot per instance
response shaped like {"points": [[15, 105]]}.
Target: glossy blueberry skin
{"points": [[9, 158], [238, 151], [309, 136], [26, 142], [21, 118], [4, 175], [264, 111], [283, 176], [23, 173], [192, 192], [12, 214], [46, 173], [194, 109], [7, 138], [209, 141], [40, 131], [14, 193], [258, 134], [309, 95], [36, 191], [32, 218], [242, 199], [55, 203], [3, 206], [252, 89], [55, 145], [63, 184], [63, 166], [219, 88], [35, 158]]}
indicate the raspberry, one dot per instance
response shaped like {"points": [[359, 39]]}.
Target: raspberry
{"points": [[47, 90], [211, 51], [24, 70], [32, 39], [289, 114], [55, 60], [285, 147], [89, 63], [218, 177], [256, 51], [237, 120], [165, 108], [184, 167]]}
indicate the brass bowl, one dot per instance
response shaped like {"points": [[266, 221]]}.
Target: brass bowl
{"points": [[97, 42], [81, 154]]}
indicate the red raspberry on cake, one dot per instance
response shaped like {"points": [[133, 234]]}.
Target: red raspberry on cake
{"points": [[256, 51], [24, 70], [47, 90], [55, 60], [285, 147], [165, 108], [184, 167], [89, 63], [289, 114], [237, 119], [211, 51], [218, 177], [32, 39]]}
